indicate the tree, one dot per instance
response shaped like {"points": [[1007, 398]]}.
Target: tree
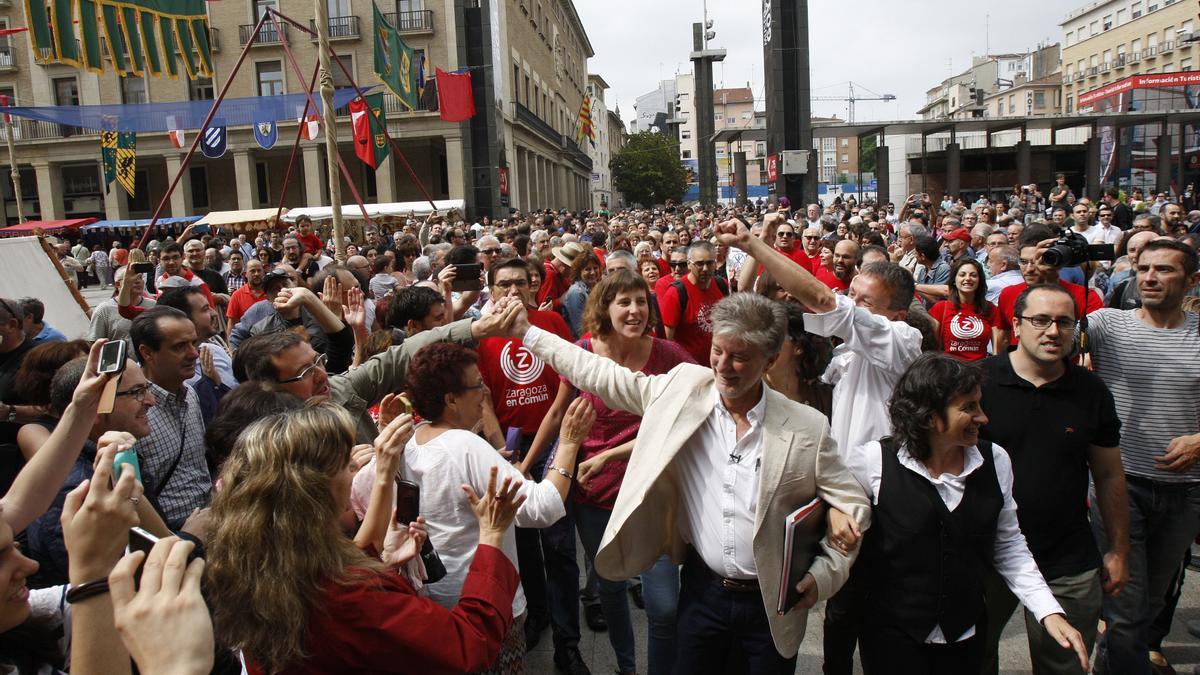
{"points": [[867, 152], [648, 169]]}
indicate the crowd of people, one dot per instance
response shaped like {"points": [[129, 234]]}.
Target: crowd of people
{"points": [[381, 454]]}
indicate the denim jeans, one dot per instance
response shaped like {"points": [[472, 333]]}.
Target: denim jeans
{"points": [[1163, 520], [660, 586]]}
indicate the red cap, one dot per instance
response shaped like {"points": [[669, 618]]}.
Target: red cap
{"points": [[960, 234]]}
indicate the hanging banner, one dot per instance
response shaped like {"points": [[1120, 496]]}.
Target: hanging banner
{"points": [[266, 133], [456, 102], [310, 127], [367, 120], [394, 61], [175, 133], [126, 160], [214, 142], [108, 156], [131, 30]]}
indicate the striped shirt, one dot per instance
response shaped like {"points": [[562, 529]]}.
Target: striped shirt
{"points": [[176, 439], [1154, 376]]}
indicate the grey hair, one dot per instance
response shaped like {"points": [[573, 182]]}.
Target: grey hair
{"points": [[422, 268], [1011, 257], [753, 319], [915, 230], [982, 230], [621, 254], [701, 245], [828, 223]]}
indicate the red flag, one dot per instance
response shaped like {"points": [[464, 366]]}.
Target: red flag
{"points": [[455, 99], [310, 127], [360, 122]]}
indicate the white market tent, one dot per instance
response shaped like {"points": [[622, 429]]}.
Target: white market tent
{"points": [[246, 219], [30, 271], [382, 212]]}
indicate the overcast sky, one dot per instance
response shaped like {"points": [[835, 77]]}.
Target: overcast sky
{"points": [[884, 46]]}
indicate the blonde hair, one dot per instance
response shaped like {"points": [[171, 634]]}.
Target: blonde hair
{"points": [[275, 539]]}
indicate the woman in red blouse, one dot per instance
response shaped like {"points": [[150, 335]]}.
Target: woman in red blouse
{"points": [[965, 320], [296, 595]]}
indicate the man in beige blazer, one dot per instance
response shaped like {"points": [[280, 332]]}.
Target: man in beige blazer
{"points": [[720, 461]]}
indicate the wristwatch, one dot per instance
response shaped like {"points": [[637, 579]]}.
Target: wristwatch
{"points": [[12, 413]]}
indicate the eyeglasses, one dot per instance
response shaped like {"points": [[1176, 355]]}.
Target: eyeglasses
{"points": [[678, 263], [785, 234], [318, 362], [812, 237], [490, 251], [1043, 322], [703, 263], [139, 392], [474, 387], [1106, 215]]}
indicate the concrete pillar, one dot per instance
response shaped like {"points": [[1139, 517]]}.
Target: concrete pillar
{"points": [[116, 202], [315, 193], [739, 176], [539, 170], [953, 169], [385, 181], [181, 198], [883, 174], [522, 178], [243, 168], [1024, 162], [456, 168], [1091, 168], [49, 186], [1163, 164]]}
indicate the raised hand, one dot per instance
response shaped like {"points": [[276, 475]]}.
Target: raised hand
{"points": [[389, 444], [496, 509], [355, 311], [96, 518], [91, 385], [404, 542], [167, 603], [331, 295], [207, 367], [577, 422]]}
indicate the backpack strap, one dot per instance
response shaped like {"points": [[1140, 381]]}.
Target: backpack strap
{"points": [[722, 284], [681, 289]]}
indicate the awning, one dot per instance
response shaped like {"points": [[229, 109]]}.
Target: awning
{"points": [[132, 224], [382, 212], [241, 220], [30, 227]]}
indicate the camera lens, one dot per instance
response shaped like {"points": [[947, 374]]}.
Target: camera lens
{"points": [[1056, 256]]}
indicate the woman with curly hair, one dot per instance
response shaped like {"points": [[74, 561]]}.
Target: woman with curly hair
{"points": [[296, 595], [803, 359], [943, 517], [33, 386], [449, 393]]}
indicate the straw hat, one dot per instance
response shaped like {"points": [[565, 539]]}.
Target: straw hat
{"points": [[567, 253]]}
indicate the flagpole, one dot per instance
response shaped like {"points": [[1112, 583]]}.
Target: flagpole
{"points": [[12, 160], [331, 143]]}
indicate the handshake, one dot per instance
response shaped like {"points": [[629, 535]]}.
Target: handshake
{"points": [[509, 318]]}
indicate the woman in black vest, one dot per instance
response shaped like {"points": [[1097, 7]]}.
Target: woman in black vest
{"points": [[943, 514]]}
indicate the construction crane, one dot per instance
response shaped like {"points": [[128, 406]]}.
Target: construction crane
{"points": [[851, 98]]}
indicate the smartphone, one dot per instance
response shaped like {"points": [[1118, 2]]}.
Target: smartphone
{"points": [[468, 278], [143, 268], [140, 540], [126, 458], [112, 357], [408, 501]]}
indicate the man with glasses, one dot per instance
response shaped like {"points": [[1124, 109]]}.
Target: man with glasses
{"points": [[1034, 241], [787, 244], [1105, 231], [1058, 423], [171, 260], [677, 268], [687, 303], [522, 390], [174, 469]]}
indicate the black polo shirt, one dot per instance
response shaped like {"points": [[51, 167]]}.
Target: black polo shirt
{"points": [[1047, 431]]}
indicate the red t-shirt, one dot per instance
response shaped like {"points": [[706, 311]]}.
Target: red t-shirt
{"points": [[311, 242], [522, 385], [1086, 300], [693, 329], [830, 279], [554, 284], [663, 283], [241, 300], [964, 333], [664, 267], [615, 427]]}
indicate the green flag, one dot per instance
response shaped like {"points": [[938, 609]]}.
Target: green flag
{"points": [[394, 62], [108, 154], [128, 27]]}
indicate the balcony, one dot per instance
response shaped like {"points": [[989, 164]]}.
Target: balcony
{"points": [[419, 21], [535, 124], [267, 35], [1166, 47], [340, 28], [37, 130], [392, 106], [8, 59]]}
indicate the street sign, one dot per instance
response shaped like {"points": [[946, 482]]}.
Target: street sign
{"points": [[772, 169]]}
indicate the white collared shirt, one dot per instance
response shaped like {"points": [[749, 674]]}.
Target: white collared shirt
{"points": [[865, 367], [1000, 282], [719, 486], [1010, 553]]}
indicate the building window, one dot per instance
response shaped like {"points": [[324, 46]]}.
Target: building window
{"points": [[516, 83], [1185, 64], [262, 184], [685, 135], [270, 78], [201, 89], [81, 181], [1039, 99], [1000, 108], [198, 175], [845, 157], [845, 142], [1120, 16], [1070, 38], [686, 154], [133, 89]]}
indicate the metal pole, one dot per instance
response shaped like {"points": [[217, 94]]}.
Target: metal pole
{"points": [[331, 144], [204, 125], [12, 160]]}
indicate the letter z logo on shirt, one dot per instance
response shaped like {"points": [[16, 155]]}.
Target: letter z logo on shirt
{"points": [[519, 365]]}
